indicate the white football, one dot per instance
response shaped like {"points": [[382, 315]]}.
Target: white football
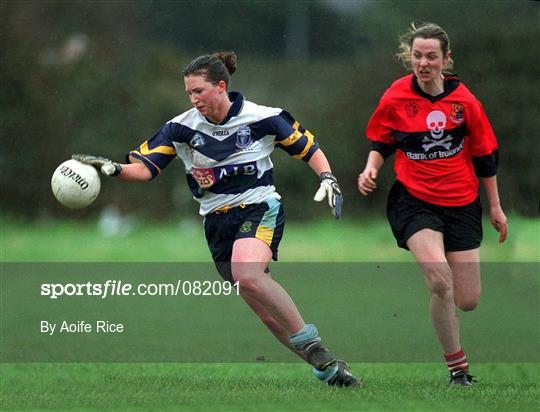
{"points": [[75, 184]]}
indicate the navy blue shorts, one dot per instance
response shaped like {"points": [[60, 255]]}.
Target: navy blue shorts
{"points": [[264, 221], [461, 226]]}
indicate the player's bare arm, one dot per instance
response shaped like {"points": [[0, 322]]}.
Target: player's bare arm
{"points": [[366, 179], [135, 172], [497, 217]]}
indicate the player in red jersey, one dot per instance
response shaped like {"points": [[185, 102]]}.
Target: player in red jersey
{"points": [[443, 141]]}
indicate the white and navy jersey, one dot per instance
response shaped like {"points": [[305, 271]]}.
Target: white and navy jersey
{"points": [[227, 164]]}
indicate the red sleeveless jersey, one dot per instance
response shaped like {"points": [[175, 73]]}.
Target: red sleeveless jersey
{"points": [[441, 142]]}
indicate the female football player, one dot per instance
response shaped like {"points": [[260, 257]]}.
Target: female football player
{"points": [[442, 141], [225, 143]]}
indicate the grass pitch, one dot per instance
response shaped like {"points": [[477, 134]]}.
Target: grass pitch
{"points": [[504, 326], [182, 240], [262, 387]]}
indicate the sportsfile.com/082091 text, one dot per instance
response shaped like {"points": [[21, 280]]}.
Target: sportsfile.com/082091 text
{"points": [[119, 288]]}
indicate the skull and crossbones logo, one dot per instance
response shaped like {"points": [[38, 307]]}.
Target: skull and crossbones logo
{"points": [[436, 122]]}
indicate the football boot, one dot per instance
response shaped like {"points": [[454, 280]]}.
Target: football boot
{"points": [[343, 376], [461, 378]]}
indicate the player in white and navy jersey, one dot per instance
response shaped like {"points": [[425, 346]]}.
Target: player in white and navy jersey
{"points": [[227, 164], [225, 144]]}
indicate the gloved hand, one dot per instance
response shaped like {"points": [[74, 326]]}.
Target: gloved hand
{"points": [[107, 166], [330, 188]]}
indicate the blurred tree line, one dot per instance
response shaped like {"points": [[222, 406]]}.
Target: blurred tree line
{"points": [[100, 77]]}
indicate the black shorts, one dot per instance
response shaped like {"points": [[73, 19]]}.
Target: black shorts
{"points": [[461, 226], [264, 221]]}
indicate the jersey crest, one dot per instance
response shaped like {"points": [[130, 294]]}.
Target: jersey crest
{"points": [[197, 140], [243, 137], [456, 116], [412, 109]]}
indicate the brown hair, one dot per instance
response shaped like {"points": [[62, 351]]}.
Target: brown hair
{"points": [[213, 67], [424, 31]]}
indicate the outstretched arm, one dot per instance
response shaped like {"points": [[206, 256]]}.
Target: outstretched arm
{"points": [[133, 172], [496, 214]]}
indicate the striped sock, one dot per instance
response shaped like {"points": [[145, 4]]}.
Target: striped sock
{"points": [[457, 361]]}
